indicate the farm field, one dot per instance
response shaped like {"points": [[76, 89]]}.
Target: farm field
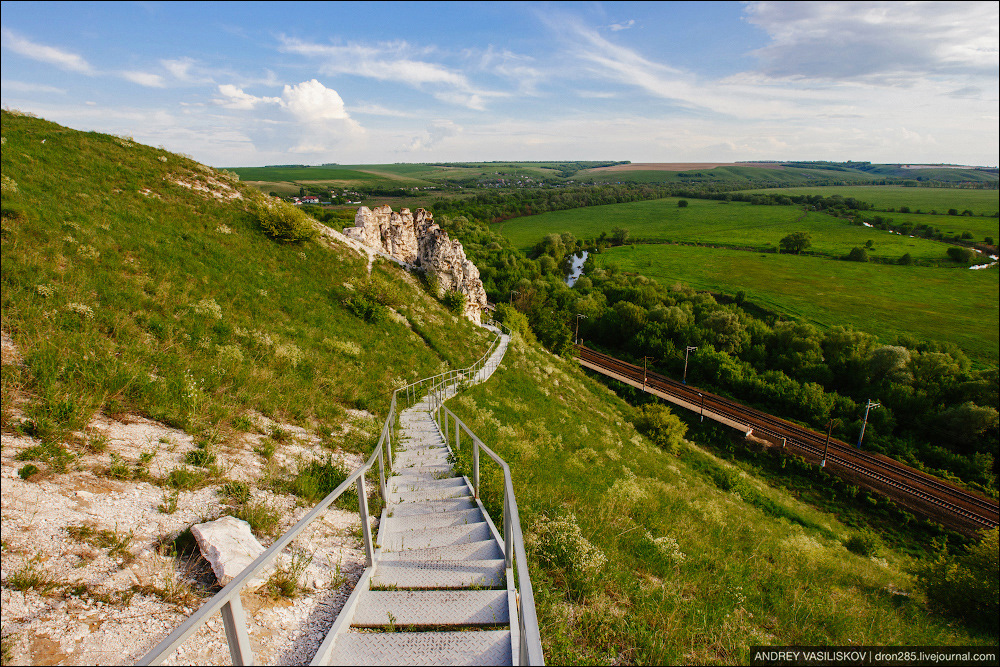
{"points": [[950, 305], [734, 174], [736, 224], [885, 197]]}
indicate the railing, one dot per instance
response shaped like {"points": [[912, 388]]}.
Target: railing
{"points": [[227, 601], [530, 650]]}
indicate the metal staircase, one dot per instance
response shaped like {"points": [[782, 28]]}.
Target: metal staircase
{"points": [[440, 584], [439, 592]]}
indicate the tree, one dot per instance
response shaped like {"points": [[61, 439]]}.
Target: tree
{"points": [[619, 235], [858, 255], [795, 242], [906, 260], [961, 255], [682, 203]]}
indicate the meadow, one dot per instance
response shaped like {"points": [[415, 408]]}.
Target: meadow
{"points": [[731, 224], [886, 197], [955, 305]]}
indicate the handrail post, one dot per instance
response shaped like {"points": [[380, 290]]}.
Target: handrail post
{"points": [[458, 435], [366, 529], [475, 466], [508, 532], [235, 622], [381, 475]]}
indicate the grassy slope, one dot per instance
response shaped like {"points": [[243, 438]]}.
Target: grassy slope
{"points": [[745, 577], [957, 305], [128, 292], [736, 224]]}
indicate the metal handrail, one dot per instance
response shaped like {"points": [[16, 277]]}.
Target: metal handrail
{"points": [[530, 651], [228, 599]]}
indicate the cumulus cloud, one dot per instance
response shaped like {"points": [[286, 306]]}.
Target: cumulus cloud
{"points": [[320, 111], [882, 43], [47, 54]]}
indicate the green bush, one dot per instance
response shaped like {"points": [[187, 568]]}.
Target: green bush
{"points": [[966, 586], [863, 543], [454, 301], [283, 222], [961, 255], [858, 255], [662, 426], [907, 260]]}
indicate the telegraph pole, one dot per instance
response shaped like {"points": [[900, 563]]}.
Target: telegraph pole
{"points": [[686, 353], [826, 447], [644, 373], [512, 293], [871, 404], [702, 396], [577, 336]]}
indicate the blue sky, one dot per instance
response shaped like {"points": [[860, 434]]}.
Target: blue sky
{"points": [[243, 84]]}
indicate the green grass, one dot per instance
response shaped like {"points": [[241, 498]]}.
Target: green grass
{"points": [[885, 197], [955, 305], [700, 561], [732, 224], [735, 175], [127, 292]]}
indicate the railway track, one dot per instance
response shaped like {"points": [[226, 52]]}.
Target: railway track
{"points": [[946, 503]]}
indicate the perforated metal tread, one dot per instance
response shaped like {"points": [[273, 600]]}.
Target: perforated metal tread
{"points": [[431, 608], [439, 573], [412, 483], [485, 647], [434, 537], [430, 494], [395, 524], [487, 549], [431, 506]]}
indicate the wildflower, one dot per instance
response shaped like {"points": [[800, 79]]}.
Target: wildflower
{"points": [[669, 548], [208, 307], [45, 291], [289, 353], [302, 255], [88, 252], [223, 229], [230, 355], [69, 239], [263, 339], [262, 292], [563, 544], [162, 158], [80, 309], [9, 185]]}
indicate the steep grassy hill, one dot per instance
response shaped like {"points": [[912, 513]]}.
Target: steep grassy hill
{"points": [[137, 280]]}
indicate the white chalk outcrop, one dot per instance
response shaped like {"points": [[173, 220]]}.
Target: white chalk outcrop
{"points": [[416, 240]]}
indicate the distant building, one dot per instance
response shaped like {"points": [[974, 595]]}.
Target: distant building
{"points": [[309, 199]]}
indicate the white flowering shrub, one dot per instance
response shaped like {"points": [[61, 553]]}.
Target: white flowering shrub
{"points": [[80, 309], [88, 252], [224, 229], [668, 548], [208, 308], [625, 492], [230, 355], [289, 354], [45, 291], [560, 543], [9, 185]]}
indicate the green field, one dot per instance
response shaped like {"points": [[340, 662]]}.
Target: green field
{"points": [[735, 175], [735, 224], [885, 197], [953, 305]]}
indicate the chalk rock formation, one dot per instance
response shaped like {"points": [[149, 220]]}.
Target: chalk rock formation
{"points": [[229, 546], [417, 240]]}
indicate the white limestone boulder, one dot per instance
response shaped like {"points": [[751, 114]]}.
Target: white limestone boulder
{"points": [[229, 545]]}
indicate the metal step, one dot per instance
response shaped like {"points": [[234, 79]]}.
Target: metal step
{"points": [[413, 483], [430, 494], [431, 506], [439, 573], [487, 549], [425, 472], [434, 608], [486, 647], [396, 524], [434, 537]]}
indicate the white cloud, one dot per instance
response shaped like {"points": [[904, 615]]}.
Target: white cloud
{"points": [[379, 110], [615, 27], [24, 87], [235, 98], [883, 43], [393, 61], [46, 54], [312, 102], [433, 135], [144, 79]]}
